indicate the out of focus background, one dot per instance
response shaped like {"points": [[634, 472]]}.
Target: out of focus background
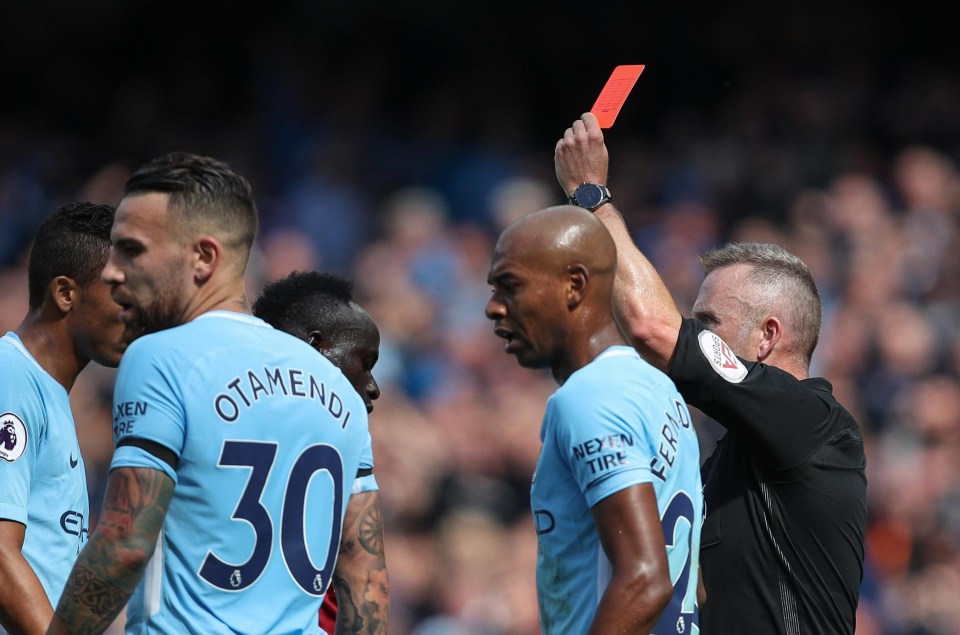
{"points": [[390, 142]]}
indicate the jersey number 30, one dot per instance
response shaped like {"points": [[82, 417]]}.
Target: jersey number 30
{"points": [[260, 456]]}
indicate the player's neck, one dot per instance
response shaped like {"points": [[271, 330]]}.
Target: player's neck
{"points": [[224, 297], [50, 344], [586, 347]]}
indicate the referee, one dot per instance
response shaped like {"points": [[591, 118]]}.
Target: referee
{"points": [[785, 489]]}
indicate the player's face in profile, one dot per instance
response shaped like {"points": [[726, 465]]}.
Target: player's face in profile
{"points": [[522, 307], [148, 270], [96, 325], [355, 351], [720, 307]]}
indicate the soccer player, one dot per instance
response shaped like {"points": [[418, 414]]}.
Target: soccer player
{"points": [[44, 515], [319, 309], [785, 488], [616, 493], [236, 444]]}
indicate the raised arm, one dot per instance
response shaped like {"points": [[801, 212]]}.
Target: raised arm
{"points": [[112, 563], [645, 309], [628, 523], [360, 578]]}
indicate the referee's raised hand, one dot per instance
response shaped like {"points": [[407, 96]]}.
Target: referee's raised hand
{"points": [[581, 155]]}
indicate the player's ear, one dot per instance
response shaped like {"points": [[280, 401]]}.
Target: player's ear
{"points": [[63, 293], [207, 254], [577, 277], [771, 332], [317, 340]]}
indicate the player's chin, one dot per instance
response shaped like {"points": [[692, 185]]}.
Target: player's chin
{"points": [[132, 330], [528, 358], [113, 356]]}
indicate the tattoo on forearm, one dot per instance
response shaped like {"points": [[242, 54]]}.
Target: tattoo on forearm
{"points": [[363, 592], [103, 579], [370, 532], [348, 618], [364, 611], [98, 596]]}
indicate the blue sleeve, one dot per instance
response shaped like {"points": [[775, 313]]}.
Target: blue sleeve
{"points": [[607, 450], [132, 456], [148, 400], [366, 457], [23, 428]]}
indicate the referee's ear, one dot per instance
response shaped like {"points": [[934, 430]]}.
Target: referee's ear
{"points": [[771, 333]]}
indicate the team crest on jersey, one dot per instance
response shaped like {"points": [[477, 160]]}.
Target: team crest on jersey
{"points": [[724, 362], [13, 437]]}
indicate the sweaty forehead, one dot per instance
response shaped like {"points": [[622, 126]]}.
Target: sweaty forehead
{"points": [[522, 250], [352, 321]]}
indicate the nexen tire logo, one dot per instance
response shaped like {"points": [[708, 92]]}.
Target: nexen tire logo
{"points": [[71, 522]]}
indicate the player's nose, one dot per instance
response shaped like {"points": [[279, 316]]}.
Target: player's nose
{"points": [[373, 390], [111, 274], [495, 309]]}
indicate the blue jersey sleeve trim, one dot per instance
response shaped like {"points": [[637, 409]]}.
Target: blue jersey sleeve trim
{"points": [[613, 483], [12, 512], [132, 456]]}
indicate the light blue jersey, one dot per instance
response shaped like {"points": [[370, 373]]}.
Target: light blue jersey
{"points": [[615, 423], [269, 436], [42, 479]]}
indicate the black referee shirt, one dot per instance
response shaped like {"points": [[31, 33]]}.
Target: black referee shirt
{"points": [[786, 496]]}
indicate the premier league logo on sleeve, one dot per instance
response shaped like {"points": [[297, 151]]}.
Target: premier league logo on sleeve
{"points": [[13, 437]]}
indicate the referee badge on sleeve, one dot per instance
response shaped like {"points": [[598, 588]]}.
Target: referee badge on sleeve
{"points": [[13, 437], [721, 358]]}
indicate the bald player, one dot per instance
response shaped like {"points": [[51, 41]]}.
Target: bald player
{"points": [[616, 493]]}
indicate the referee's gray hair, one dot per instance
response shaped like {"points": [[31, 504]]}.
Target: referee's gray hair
{"points": [[782, 282]]}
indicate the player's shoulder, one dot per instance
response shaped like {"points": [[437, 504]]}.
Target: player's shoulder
{"points": [[24, 390], [618, 378], [208, 332], [18, 368], [616, 369], [14, 355]]}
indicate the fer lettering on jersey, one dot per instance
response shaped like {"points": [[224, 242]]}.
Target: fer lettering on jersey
{"points": [[669, 440]]}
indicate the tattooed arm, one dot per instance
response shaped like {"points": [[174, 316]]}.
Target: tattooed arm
{"points": [[360, 578], [112, 562]]}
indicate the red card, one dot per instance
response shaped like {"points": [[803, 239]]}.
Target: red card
{"points": [[615, 93]]}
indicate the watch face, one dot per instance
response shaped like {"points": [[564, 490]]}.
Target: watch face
{"points": [[588, 195]]}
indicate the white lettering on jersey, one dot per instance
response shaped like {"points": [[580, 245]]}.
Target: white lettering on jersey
{"points": [[724, 362]]}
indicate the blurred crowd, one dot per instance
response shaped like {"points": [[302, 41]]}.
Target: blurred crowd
{"points": [[411, 219]]}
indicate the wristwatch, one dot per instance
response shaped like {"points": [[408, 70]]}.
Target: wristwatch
{"points": [[590, 196]]}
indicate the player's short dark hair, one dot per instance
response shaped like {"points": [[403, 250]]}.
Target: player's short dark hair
{"points": [[204, 192], [304, 301], [74, 242]]}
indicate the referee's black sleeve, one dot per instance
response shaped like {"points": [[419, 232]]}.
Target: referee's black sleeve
{"points": [[786, 419]]}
